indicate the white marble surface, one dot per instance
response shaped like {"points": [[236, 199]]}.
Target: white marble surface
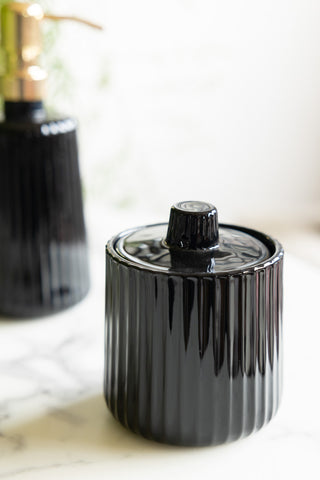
{"points": [[54, 422]]}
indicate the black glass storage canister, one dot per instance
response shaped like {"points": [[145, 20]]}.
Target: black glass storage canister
{"points": [[193, 328]]}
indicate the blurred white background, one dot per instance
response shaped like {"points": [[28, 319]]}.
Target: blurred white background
{"points": [[209, 100]]}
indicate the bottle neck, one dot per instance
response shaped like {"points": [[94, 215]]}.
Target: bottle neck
{"points": [[24, 111]]}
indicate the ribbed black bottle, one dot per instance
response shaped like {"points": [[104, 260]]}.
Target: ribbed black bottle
{"points": [[43, 247], [193, 328]]}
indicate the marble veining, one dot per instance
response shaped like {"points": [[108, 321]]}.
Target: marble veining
{"points": [[54, 422]]}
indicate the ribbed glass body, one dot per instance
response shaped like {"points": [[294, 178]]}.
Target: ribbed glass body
{"points": [[43, 248], [192, 359]]}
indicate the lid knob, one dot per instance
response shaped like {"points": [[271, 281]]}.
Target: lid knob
{"points": [[193, 225]]}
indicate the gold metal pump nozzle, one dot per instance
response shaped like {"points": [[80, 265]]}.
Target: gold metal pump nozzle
{"points": [[21, 40]]}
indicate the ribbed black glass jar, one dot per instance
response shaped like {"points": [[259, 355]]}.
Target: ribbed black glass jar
{"points": [[43, 248], [193, 328]]}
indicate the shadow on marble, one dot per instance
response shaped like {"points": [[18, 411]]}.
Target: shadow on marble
{"points": [[85, 425]]}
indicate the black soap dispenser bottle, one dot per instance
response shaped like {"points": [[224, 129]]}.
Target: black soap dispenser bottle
{"points": [[43, 246]]}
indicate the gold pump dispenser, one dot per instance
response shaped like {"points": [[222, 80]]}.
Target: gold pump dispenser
{"points": [[24, 79]]}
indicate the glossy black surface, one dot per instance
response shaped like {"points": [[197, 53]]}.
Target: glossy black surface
{"points": [[192, 226], [237, 250], [25, 112], [43, 248], [193, 358]]}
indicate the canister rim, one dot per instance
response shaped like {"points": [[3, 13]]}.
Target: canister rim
{"points": [[274, 246]]}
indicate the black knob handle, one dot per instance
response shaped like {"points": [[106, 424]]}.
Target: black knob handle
{"points": [[193, 226]]}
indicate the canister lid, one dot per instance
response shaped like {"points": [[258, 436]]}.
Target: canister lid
{"points": [[193, 242]]}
